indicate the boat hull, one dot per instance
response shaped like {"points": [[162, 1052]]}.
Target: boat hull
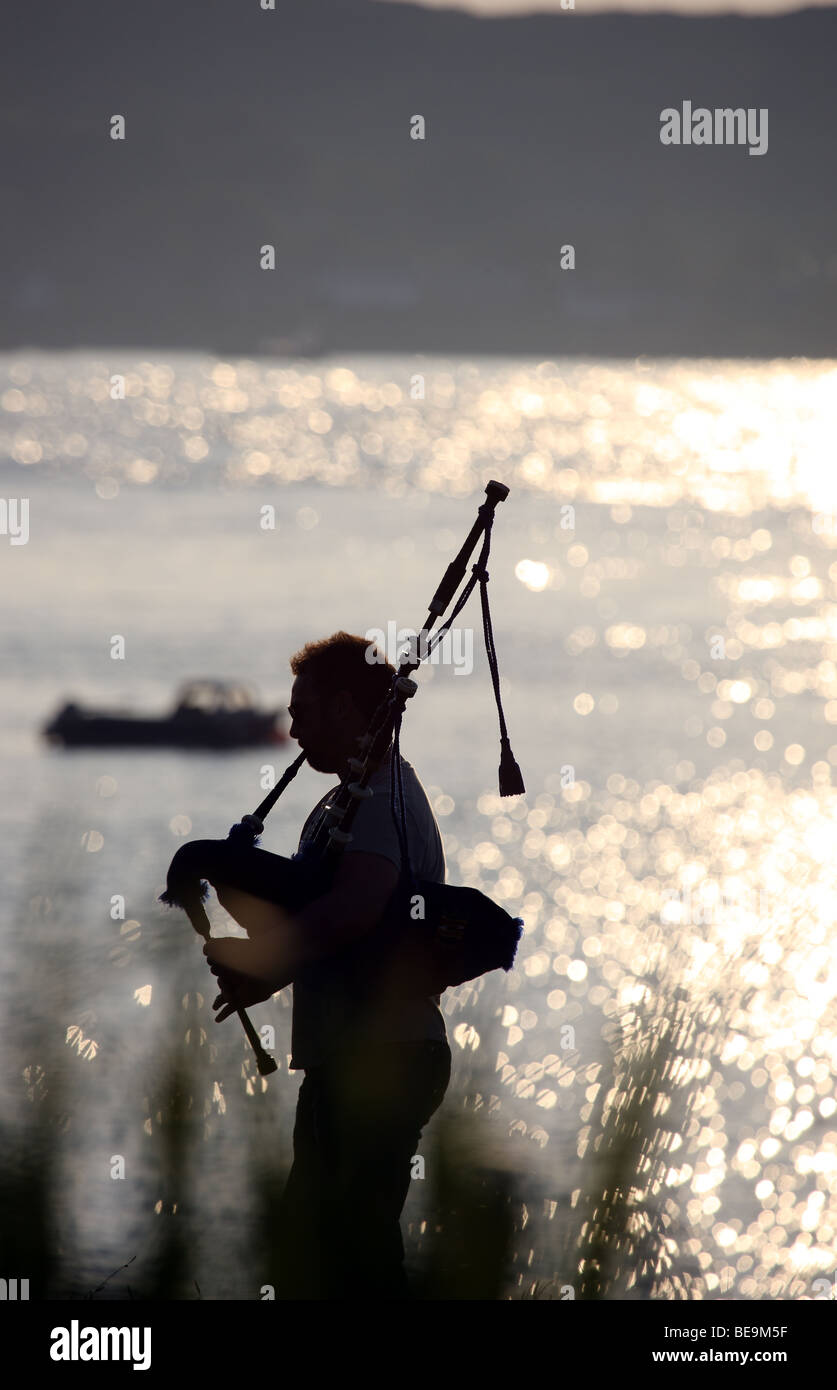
{"points": [[234, 730]]}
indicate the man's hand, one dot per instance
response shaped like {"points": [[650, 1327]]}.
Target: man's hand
{"points": [[231, 962]]}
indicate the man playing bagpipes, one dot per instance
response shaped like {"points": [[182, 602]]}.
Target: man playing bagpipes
{"points": [[363, 924], [376, 1065]]}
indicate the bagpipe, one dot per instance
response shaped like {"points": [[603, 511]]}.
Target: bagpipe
{"points": [[432, 936]]}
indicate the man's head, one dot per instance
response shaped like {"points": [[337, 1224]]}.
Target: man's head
{"points": [[336, 691]]}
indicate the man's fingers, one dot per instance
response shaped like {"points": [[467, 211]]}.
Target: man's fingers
{"points": [[237, 991], [227, 993], [226, 1007]]}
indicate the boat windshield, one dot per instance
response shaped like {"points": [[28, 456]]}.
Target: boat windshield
{"points": [[209, 697]]}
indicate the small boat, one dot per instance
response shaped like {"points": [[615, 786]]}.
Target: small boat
{"points": [[207, 714]]}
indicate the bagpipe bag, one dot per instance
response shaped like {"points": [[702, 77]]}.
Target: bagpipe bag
{"points": [[431, 937]]}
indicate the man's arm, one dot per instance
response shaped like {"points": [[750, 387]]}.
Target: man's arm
{"points": [[281, 944]]}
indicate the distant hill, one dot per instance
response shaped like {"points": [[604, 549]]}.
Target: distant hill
{"points": [[292, 126]]}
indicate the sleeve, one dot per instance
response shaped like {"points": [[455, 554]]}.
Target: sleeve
{"points": [[374, 832]]}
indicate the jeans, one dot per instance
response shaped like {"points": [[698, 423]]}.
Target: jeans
{"points": [[358, 1123]]}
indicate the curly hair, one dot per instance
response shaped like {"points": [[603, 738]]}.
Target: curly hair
{"points": [[340, 662]]}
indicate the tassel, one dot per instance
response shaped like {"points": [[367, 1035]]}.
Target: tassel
{"points": [[173, 897], [511, 778], [247, 831], [517, 923]]}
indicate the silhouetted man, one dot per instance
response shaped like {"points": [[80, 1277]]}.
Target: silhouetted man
{"points": [[376, 1067]]}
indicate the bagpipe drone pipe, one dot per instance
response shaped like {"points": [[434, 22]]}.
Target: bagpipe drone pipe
{"points": [[432, 936]]}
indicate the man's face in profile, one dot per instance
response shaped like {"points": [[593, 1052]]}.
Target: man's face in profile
{"points": [[315, 726]]}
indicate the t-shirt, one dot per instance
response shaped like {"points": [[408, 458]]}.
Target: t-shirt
{"points": [[326, 1012]]}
